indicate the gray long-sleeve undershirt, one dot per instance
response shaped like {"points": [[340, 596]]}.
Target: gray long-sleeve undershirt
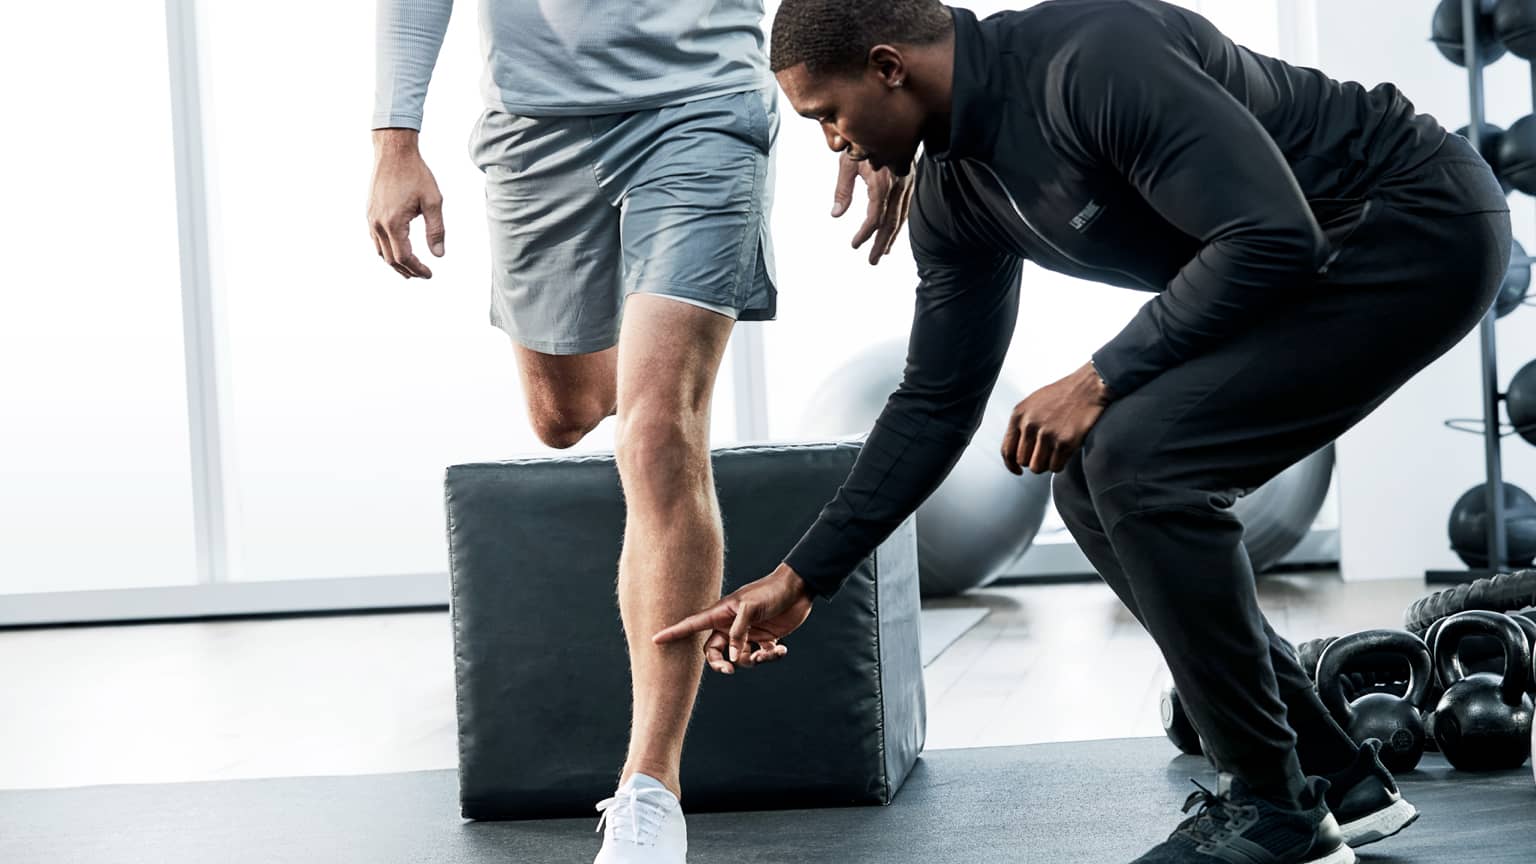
{"points": [[557, 57]]}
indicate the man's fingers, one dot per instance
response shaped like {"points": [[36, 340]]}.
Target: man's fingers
{"points": [[397, 239], [699, 622], [890, 226], [714, 653], [884, 235], [1026, 448], [400, 238], [1062, 457], [872, 214], [901, 216], [842, 194], [1010, 447], [381, 245], [1045, 452], [432, 210], [381, 242], [769, 651], [387, 249]]}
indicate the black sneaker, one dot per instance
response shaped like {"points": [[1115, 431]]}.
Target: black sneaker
{"points": [[1366, 801], [1238, 828]]}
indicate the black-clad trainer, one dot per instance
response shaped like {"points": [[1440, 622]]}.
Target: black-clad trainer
{"points": [[1312, 245]]}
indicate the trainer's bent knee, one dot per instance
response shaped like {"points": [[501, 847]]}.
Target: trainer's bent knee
{"points": [[1070, 492]]}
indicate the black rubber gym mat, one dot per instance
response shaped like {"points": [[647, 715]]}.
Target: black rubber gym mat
{"points": [[1097, 802]]}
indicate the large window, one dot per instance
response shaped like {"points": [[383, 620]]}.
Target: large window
{"points": [[342, 391], [95, 488], [327, 395]]}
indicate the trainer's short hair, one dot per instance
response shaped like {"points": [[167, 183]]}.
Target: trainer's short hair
{"points": [[836, 35]]}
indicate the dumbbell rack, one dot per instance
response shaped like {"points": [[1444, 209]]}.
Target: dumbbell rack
{"points": [[1498, 556]]}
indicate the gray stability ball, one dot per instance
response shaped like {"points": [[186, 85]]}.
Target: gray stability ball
{"points": [[981, 518], [1278, 515]]}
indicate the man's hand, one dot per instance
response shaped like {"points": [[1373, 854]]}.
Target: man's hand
{"points": [[403, 188], [890, 197], [761, 612], [1048, 427]]}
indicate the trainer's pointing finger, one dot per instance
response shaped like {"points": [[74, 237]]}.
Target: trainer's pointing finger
{"points": [[716, 617]]}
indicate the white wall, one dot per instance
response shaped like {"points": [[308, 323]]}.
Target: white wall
{"points": [[1401, 470]]}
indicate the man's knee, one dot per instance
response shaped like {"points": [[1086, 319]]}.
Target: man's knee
{"points": [[1109, 459], [662, 452], [1070, 492], [562, 426], [1120, 476]]}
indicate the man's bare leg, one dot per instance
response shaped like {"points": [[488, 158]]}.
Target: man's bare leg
{"points": [[671, 565], [568, 394]]}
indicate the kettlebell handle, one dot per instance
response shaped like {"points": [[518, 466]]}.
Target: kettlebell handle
{"points": [[1517, 652], [1337, 656]]}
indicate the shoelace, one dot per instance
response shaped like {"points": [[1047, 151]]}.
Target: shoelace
{"points": [[1210, 821], [625, 808]]}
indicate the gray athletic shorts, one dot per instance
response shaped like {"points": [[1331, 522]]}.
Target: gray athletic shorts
{"points": [[585, 211]]}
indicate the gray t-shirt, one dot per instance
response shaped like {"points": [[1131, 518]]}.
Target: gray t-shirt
{"points": [[563, 57]]}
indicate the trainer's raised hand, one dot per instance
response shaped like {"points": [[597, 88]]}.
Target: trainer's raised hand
{"points": [[403, 188], [890, 198], [746, 625]]}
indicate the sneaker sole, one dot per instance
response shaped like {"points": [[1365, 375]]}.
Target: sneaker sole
{"points": [[1341, 855], [1380, 825]]}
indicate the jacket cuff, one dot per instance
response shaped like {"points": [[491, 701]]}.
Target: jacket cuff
{"points": [[818, 559]]}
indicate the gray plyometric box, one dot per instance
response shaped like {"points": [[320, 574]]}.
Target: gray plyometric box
{"points": [[541, 666]]}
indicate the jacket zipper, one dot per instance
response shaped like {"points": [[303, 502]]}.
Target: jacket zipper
{"points": [[1029, 226]]}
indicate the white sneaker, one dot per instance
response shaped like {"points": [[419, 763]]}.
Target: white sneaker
{"points": [[642, 824]]}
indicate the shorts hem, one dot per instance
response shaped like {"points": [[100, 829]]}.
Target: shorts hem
{"points": [[562, 347], [692, 292]]}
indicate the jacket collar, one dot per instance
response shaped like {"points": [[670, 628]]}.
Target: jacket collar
{"points": [[974, 116]]}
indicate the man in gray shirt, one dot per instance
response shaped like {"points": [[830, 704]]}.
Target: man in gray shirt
{"points": [[627, 152]]}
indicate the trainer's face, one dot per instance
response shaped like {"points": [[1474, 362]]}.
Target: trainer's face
{"points": [[869, 114]]}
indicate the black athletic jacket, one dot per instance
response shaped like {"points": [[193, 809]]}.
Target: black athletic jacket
{"points": [[1120, 141]]}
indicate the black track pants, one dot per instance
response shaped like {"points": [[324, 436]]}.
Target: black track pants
{"points": [[1148, 496]]}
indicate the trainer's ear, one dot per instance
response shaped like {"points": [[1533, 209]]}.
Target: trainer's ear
{"points": [[886, 62]]}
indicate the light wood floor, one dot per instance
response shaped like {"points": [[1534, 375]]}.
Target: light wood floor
{"points": [[374, 693]]}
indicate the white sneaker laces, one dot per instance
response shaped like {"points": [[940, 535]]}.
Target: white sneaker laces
{"points": [[627, 810]]}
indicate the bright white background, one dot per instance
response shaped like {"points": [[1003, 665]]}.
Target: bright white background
{"points": [[95, 472], [347, 390]]}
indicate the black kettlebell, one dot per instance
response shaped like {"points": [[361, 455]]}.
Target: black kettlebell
{"points": [[1436, 690], [1529, 626], [1393, 720], [1176, 724], [1310, 651], [1472, 654], [1486, 654], [1483, 722]]}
